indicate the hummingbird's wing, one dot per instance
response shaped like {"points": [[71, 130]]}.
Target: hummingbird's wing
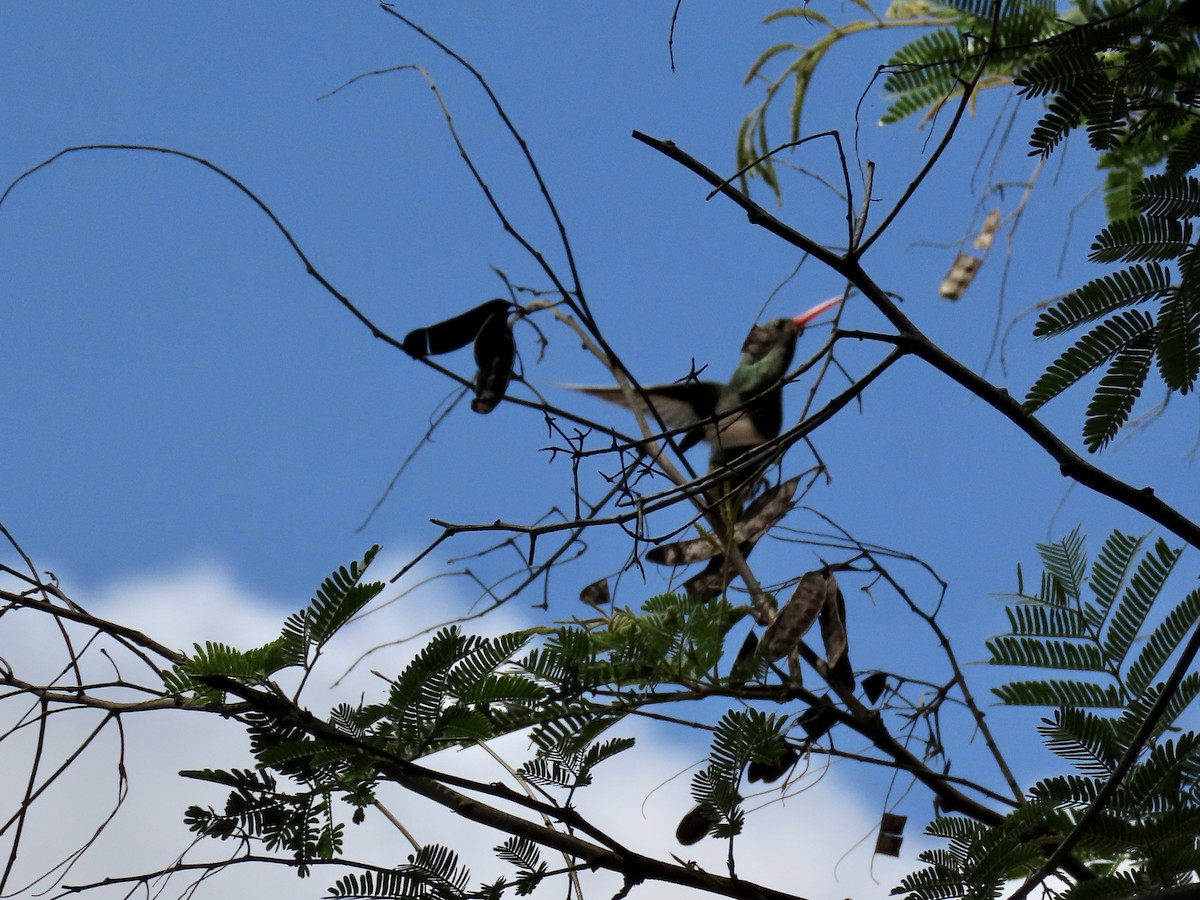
{"points": [[685, 405]]}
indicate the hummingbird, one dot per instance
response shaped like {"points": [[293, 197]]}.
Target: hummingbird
{"points": [[737, 416]]}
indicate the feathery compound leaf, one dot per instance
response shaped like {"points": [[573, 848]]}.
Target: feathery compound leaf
{"points": [[923, 72], [1179, 341], [1129, 615], [1110, 572], [1098, 298], [481, 657], [1142, 238], [1162, 642], [1169, 196], [1066, 562], [1119, 183], [1061, 630], [1095, 348], [340, 597], [1088, 740], [1184, 154], [1117, 392], [432, 873], [1061, 692], [1060, 71], [1032, 619], [1106, 113], [1064, 113], [1046, 653]]}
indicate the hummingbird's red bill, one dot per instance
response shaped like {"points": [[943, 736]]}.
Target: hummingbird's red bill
{"points": [[805, 317]]}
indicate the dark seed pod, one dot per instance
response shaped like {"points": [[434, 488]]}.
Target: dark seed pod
{"points": [[596, 593], [798, 614], [771, 772], [745, 663], [874, 685], [693, 827], [495, 351], [891, 834], [817, 720], [833, 635], [452, 334]]}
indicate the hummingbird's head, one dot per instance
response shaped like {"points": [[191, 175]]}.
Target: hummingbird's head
{"points": [[780, 334], [776, 334]]}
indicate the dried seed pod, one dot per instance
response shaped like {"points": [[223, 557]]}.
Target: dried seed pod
{"points": [[495, 351], [798, 614], [746, 662], [693, 827], [833, 635], [681, 553], [874, 685], [817, 720], [760, 516], [960, 276], [596, 593], [891, 834], [770, 772], [452, 334]]}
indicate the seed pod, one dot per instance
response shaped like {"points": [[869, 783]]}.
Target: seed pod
{"points": [[596, 593], [760, 516], [450, 335], [495, 351], [693, 827], [487, 326], [873, 685], [798, 614], [833, 635], [817, 720], [769, 772], [891, 834]]}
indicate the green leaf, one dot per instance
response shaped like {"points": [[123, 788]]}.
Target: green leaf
{"points": [[1162, 642], [1095, 348], [1117, 392], [1179, 341], [1096, 299], [1061, 692], [1169, 196], [1047, 653], [1142, 238], [1142, 590]]}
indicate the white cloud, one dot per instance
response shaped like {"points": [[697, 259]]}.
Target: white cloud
{"points": [[797, 845]]}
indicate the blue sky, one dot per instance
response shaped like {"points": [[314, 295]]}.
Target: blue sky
{"points": [[180, 393]]}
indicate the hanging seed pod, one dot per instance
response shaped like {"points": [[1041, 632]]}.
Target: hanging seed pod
{"points": [[495, 350], [452, 334], [798, 614], [891, 834], [693, 827], [596, 593], [874, 685], [745, 663], [771, 772], [817, 720], [833, 635]]}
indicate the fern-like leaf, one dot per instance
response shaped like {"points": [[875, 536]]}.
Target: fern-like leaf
{"points": [[1142, 238], [1136, 284], [1094, 349], [1116, 394], [1168, 196], [1179, 341]]}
